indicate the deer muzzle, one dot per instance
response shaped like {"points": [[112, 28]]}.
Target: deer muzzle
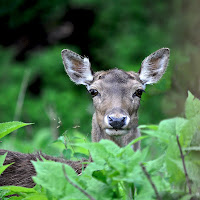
{"points": [[116, 124]]}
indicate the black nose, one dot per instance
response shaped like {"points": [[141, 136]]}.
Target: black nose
{"points": [[116, 123]]}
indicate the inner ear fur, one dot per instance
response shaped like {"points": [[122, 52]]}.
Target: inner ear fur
{"points": [[154, 66], [77, 67]]}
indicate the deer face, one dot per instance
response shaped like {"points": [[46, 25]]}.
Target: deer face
{"points": [[116, 97], [116, 94]]}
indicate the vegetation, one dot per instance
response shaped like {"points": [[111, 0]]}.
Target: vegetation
{"points": [[119, 173], [34, 88], [119, 34]]}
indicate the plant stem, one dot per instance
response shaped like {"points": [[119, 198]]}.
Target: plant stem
{"points": [[76, 186], [150, 180], [184, 166], [21, 96]]}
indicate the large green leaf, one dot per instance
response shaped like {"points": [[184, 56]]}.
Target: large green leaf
{"points": [[8, 127], [50, 176], [174, 164], [172, 126], [99, 151], [186, 133], [110, 146], [156, 165]]}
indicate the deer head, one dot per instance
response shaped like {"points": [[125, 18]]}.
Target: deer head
{"points": [[116, 94]]}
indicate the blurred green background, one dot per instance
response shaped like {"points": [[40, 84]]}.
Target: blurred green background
{"points": [[34, 86]]}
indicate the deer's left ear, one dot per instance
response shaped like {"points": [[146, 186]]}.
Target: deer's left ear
{"points": [[77, 67], [153, 67]]}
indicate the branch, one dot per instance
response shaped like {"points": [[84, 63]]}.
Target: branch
{"points": [[76, 186], [184, 167], [150, 180]]}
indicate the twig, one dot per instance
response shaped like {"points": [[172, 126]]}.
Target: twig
{"points": [[65, 136], [150, 180], [184, 167], [21, 96], [76, 186]]}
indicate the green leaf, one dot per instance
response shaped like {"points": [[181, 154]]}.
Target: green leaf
{"points": [[8, 127], [156, 165], [80, 155], [171, 126], [18, 189], [3, 193], [151, 127], [156, 134], [129, 146], [186, 133], [193, 168], [168, 129], [50, 176], [97, 150], [118, 164], [174, 163], [36, 197], [67, 153], [4, 167], [175, 169], [188, 196], [2, 158], [99, 175], [110, 146], [192, 106]]}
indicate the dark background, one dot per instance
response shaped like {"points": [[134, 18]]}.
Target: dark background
{"points": [[34, 86]]}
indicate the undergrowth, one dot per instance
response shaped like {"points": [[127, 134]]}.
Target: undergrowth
{"points": [[171, 172]]}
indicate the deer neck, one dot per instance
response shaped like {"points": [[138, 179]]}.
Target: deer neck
{"points": [[123, 140]]}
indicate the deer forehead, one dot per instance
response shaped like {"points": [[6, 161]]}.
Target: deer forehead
{"points": [[116, 80]]}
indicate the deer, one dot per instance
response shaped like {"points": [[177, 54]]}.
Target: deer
{"points": [[116, 98], [116, 94]]}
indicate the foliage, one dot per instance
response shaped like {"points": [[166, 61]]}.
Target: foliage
{"points": [[5, 129], [116, 173], [121, 34], [58, 96]]}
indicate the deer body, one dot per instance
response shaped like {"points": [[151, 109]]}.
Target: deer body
{"points": [[21, 171], [116, 94]]}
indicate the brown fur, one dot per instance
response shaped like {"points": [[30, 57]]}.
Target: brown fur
{"points": [[20, 173], [119, 85]]}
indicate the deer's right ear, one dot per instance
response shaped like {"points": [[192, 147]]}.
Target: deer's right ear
{"points": [[77, 67]]}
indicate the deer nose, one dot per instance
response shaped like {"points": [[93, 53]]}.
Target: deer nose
{"points": [[115, 122]]}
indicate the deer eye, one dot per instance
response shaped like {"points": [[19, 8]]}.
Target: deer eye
{"points": [[93, 92], [138, 93]]}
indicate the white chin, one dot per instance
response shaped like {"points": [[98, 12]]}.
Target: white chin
{"points": [[116, 132]]}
